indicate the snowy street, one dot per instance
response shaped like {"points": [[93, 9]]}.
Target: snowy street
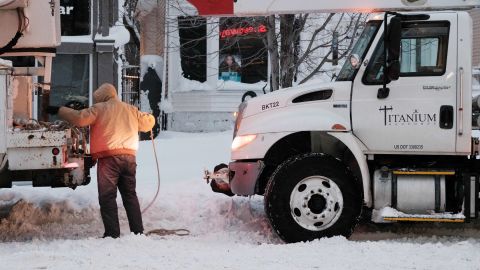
{"points": [[44, 228]]}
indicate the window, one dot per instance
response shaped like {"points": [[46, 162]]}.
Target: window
{"points": [[243, 54], [70, 79], [75, 17], [193, 47], [348, 72], [420, 55], [424, 51]]}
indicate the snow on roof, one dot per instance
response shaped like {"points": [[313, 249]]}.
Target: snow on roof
{"points": [[77, 39], [118, 33], [5, 63]]}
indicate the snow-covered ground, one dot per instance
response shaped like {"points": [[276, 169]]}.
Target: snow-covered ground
{"points": [[59, 229]]}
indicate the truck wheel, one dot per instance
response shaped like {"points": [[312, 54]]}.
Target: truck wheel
{"points": [[312, 196]]}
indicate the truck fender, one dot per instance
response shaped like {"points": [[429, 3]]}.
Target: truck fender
{"points": [[355, 146]]}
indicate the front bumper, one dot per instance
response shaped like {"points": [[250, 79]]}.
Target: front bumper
{"points": [[243, 177]]}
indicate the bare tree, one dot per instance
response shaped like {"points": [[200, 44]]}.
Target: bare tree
{"points": [[306, 41], [298, 46], [272, 46]]}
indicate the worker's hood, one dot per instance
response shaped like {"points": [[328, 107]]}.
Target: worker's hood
{"points": [[104, 93]]}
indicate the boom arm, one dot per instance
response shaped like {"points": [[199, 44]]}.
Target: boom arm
{"points": [[266, 7], [13, 4]]}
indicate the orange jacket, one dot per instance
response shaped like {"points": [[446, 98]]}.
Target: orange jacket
{"points": [[114, 125]]}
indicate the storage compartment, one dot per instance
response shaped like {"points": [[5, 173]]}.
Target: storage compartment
{"points": [[22, 99]]}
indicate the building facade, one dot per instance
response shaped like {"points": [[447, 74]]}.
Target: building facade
{"points": [[212, 65], [91, 53], [86, 57]]}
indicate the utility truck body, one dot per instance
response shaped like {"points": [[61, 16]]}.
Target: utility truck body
{"points": [[33, 149], [391, 138]]}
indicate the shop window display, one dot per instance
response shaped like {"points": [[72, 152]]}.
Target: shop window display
{"points": [[243, 54], [230, 68]]}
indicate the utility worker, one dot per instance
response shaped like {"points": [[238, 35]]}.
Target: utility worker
{"points": [[114, 127]]}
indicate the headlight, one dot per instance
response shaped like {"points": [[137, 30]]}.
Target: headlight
{"points": [[239, 117], [241, 141]]}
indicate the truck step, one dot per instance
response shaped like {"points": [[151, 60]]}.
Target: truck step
{"points": [[421, 218], [389, 214], [423, 172]]}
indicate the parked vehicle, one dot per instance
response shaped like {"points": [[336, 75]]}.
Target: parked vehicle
{"points": [[391, 137], [38, 151]]}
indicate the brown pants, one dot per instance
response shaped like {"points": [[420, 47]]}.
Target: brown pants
{"points": [[112, 173]]}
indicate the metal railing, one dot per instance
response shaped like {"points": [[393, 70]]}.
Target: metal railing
{"points": [[131, 85]]}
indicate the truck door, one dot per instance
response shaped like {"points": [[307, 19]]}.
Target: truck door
{"points": [[419, 113]]}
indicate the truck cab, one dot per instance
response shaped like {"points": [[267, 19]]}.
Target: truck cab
{"points": [[431, 97], [390, 138]]}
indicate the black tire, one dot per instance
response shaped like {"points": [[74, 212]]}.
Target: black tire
{"points": [[289, 174]]}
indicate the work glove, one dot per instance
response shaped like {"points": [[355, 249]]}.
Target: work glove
{"points": [[52, 110], [76, 105]]}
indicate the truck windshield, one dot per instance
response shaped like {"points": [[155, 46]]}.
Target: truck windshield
{"points": [[347, 73]]}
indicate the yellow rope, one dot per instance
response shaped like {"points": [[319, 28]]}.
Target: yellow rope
{"points": [[161, 231]]}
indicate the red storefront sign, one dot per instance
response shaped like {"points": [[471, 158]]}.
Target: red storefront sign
{"points": [[213, 7], [243, 31]]}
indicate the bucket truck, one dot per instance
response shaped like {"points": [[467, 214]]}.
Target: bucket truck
{"points": [[392, 138], [43, 153]]}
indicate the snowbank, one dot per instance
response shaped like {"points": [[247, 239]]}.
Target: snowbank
{"points": [[186, 85], [166, 106], [118, 33], [58, 229]]}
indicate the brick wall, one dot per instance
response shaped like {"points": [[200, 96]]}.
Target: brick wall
{"points": [[476, 37]]}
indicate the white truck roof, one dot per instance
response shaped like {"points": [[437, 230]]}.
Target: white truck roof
{"points": [[264, 7]]}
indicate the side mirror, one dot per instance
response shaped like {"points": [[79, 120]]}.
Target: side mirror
{"points": [[391, 52], [394, 38], [355, 61]]}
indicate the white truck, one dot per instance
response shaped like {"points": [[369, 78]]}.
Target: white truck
{"points": [[40, 152], [392, 137]]}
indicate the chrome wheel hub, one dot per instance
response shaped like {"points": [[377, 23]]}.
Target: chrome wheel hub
{"points": [[316, 203]]}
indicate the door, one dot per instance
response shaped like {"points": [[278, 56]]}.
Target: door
{"points": [[419, 113]]}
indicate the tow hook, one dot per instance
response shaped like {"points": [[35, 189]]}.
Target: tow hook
{"points": [[219, 180]]}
